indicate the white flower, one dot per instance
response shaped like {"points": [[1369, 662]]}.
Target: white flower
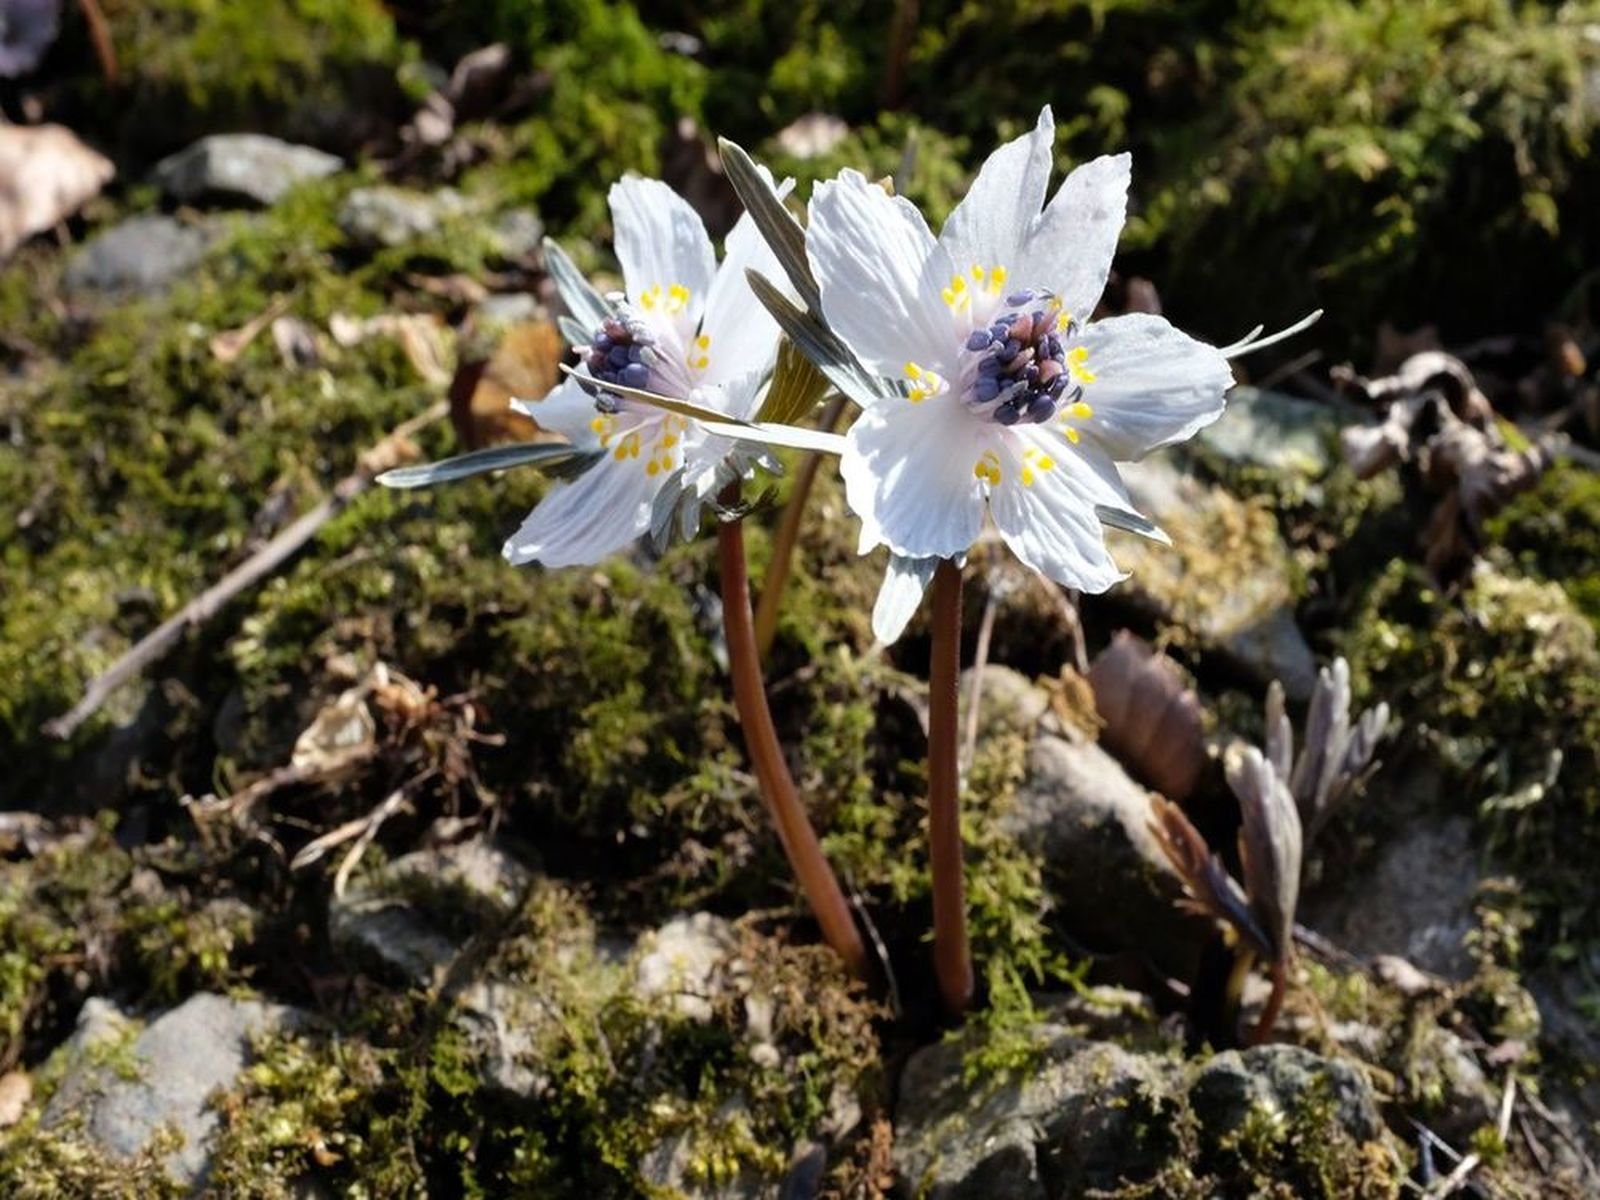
{"points": [[1012, 401], [683, 328]]}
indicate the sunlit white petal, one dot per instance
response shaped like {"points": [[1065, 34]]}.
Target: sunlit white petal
{"points": [[566, 409], [660, 241], [1071, 246], [584, 521], [910, 477], [903, 585], [991, 224], [1050, 523], [743, 337], [879, 270], [1153, 385]]}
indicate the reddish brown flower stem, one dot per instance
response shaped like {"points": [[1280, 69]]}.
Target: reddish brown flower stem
{"points": [[1273, 1006], [799, 839], [952, 958]]}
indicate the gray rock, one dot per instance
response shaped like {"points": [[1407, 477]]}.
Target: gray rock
{"points": [[1279, 1080], [413, 916], [241, 167], [1089, 821], [1570, 1047], [683, 962], [1095, 1115], [1062, 1128], [1416, 902], [518, 233], [1275, 432], [500, 312], [380, 217], [140, 256], [1227, 577], [163, 1079], [669, 1167]]}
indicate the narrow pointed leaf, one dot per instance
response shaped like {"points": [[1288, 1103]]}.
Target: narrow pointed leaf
{"points": [[684, 408], [796, 437], [559, 459], [1131, 522], [772, 220], [585, 304], [574, 330], [819, 343]]}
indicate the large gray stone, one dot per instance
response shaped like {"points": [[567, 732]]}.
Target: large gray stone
{"points": [[1092, 1115], [377, 217], [163, 1078], [141, 256], [1416, 901], [413, 916], [241, 167], [1089, 822], [1285, 434]]}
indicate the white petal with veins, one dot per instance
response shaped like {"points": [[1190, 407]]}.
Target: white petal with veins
{"points": [[660, 240], [991, 225], [1153, 385], [880, 271]]}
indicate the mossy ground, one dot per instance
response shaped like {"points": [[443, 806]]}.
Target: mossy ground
{"points": [[139, 466]]}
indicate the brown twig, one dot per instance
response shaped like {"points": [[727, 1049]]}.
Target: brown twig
{"points": [[952, 957], [1273, 1006], [787, 535], [392, 450], [100, 36], [795, 832]]}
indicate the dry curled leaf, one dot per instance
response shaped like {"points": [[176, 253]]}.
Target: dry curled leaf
{"points": [[525, 365], [1271, 842], [1440, 427], [46, 175], [1209, 890], [1152, 717]]}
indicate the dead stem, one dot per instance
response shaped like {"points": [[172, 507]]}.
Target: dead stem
{"points": [[952, 958], [799, 839], [1273, 1006], [788, 533]]}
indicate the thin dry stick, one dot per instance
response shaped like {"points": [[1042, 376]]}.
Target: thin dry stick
{"points": [[1457, 1178], [952, 958], [783, 542], [798, 838], [980, 659], [154, 645], [100, 37], [1274, 1004]]}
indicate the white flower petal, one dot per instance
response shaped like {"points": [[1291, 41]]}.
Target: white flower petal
{"points": [[1071, 246], [1153, 385], [908, 474], [1049, 521], [991, 224], [744, 337], [565, 409], [599, 513], [903, 585], [661, 240], [880, 273]]}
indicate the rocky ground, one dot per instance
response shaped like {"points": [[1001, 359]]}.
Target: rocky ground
{"points": [[404, 872]]}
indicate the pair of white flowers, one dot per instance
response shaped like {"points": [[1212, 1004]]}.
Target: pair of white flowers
{"points": [[1003, 397]]}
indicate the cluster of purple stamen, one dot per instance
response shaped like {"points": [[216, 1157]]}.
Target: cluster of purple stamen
{"points": [[1022, 376], [622, 353]]}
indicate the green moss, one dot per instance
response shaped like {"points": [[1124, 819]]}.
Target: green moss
{"points": [[297, 68], [1553, 532], [1502, 684], [62, 1164]]}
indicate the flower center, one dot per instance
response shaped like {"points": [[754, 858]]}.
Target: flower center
{"points": [[1024, 371], [622, 352]]}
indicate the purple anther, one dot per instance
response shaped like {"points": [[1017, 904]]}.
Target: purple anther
{"points": [[986, 389], [1006, 414], [635, 375], [979, 339], [1018, 299]]}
